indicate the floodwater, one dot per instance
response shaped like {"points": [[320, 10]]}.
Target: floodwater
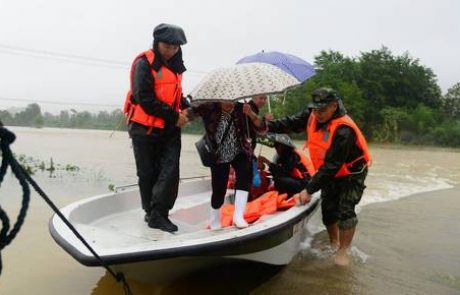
{"points": [[407, 240]]}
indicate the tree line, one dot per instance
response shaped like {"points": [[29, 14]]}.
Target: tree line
{"points": [[393, 98], [32, 116]]}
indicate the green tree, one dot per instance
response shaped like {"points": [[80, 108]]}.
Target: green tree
{"points": [[333, 68], [388, 131], [397, 81], [451, 102], [81, 120], [375, 81], [422, 118], [6, 118], [31, 116], [355, 103], [64, 119]]}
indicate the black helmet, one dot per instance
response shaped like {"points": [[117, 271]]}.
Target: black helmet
{"points": [[322, 96], [170, 34]]}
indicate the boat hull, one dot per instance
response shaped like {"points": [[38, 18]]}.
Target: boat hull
{"points": [[112, 224], [163, 270]]}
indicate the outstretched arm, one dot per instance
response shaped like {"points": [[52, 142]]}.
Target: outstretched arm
{"points": [[290, 124], [201, 109]]}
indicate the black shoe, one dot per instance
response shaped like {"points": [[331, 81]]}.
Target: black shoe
{"points": [[162, 223], [173, 225], [147, 217]]}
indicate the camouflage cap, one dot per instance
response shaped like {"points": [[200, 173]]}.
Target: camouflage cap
{"points": [[322, 96]]}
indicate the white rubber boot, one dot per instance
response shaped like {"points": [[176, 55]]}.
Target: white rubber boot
{"points": [[215, 219], [241, 198]]}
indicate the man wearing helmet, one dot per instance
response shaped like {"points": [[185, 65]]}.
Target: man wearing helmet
{"points": [[153, 110], [340, 158]]}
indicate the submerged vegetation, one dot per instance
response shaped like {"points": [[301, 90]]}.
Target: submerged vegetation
{"points": [[394, 99], [34, 165]]}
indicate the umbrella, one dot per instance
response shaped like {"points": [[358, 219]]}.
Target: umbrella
{"points": [[242, 81], [289, 63]]}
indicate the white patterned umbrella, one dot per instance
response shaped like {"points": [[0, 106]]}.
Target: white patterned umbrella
{"points": [[241, 81]]}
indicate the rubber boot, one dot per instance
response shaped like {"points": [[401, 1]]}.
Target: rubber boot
{"points": [[215, 219], [241, 198]]}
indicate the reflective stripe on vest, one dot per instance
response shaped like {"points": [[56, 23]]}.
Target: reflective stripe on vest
{"points": [[167, 87], [319, 142], [306, 162]]}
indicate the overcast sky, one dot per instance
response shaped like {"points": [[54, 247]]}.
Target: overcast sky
{"points": [[37, 38]]}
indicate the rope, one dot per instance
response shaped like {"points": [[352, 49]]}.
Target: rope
{"points": [[7, 236], [120, 123], [6, 138]]}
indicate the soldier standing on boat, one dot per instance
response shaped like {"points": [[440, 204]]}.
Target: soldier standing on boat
{"points": [[153, 109], [340, 157]]}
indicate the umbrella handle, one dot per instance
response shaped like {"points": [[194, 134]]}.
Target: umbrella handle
{"points": [[268, 104], [247, 123]]}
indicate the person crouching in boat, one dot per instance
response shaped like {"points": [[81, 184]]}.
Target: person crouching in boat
{"points": [[227, 124], [291, 169]]}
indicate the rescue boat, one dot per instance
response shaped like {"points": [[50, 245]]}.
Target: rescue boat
{"points": [[113, 224]]}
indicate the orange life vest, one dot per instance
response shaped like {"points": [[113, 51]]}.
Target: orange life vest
{"points": [[167, 87], [319, 142], [306, 162]]}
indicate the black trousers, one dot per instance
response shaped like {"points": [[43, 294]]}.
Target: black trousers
{"points": [[157, 164], [219, 175], [289, 185]]}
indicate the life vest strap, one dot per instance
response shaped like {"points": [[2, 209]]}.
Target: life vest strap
{"points": [[349, 165]]}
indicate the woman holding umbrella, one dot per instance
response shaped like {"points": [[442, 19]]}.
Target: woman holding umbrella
{"points": [[227, 125]]}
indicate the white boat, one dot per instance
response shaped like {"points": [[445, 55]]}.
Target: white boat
{"points": [[113, 224]]}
